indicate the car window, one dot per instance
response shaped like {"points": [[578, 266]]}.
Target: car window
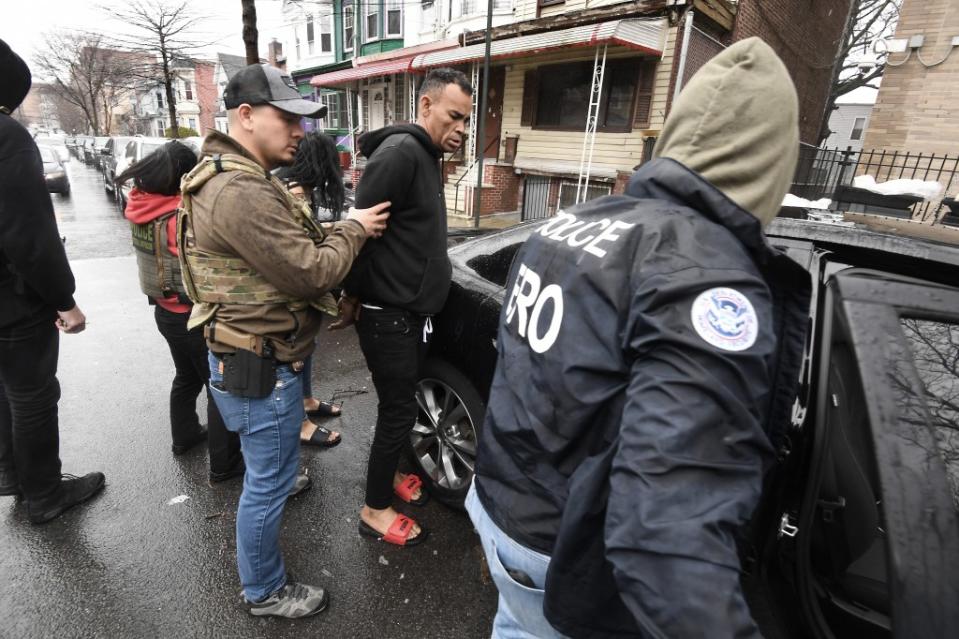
{"points": [[935, 352], [494, 267], [47, 154], [131, 149]]}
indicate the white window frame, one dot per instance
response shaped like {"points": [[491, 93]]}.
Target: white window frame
{"points": [[393, 5], [310, 31], [856, 126], [427, 15], [372, 9], [187, 90], [296, 41], [326, 29], [349, 23]]}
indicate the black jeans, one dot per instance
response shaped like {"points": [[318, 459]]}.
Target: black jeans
{"points": [[392, 342], [29, 392], [189, 352]]}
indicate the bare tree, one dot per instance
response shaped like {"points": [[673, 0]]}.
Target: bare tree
{"points": [[85, 73], [70, 116], [868, 21], [250, 34], [164, 30]]}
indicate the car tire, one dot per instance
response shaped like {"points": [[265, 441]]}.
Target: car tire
{"points": [[443, 443]]}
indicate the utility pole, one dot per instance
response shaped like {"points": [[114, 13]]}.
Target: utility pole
{"points": [[481, 114]]}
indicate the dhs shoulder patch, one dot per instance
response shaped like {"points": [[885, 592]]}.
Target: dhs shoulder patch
{"points": [[725, 318]]}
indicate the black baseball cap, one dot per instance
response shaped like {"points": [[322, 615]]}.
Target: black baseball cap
{"points": [[262, 84]]}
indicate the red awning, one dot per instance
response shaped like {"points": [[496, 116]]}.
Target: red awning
{"points": [[638, 34], [371, 70]]}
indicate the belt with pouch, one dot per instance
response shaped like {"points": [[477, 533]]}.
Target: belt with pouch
{"points": [[250, 371]]}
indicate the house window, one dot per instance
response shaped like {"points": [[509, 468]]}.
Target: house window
{"points": [[159, 100], [348, 23], [192, 123], [188, 89], [326, 33], [428, 15], [310, 44], [372, 21], [394, 18], [501, 4], [467, 7], [857, 128], [550, 3], [296, 41], [559, 99], [336, 116]]}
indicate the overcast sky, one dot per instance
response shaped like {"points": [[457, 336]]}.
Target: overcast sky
{"points": [[23, 22]]}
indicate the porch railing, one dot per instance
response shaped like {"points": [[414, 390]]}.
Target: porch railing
{"points": [[456, 184], [829, 173]]}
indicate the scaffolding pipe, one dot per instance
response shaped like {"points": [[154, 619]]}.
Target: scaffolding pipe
{"points": [[352, 126], [687, 34], [592, 123], [478, 194]]}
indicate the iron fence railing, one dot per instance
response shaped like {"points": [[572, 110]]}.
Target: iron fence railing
{"points": [[829, 173]]}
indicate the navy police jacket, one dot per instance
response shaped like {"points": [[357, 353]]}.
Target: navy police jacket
{"points": [[649, 353]]}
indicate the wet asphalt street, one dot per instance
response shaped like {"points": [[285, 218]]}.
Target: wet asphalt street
{"points": [[134, 564]]}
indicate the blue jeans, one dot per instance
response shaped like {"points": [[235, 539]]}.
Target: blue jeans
{"points": [[269, 430], [520, 611]]}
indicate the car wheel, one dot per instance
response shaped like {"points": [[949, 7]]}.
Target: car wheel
{"points": [[443, 441]]}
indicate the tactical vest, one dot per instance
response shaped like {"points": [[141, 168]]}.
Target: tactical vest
{"points": [[158, 268], [212, 278]]}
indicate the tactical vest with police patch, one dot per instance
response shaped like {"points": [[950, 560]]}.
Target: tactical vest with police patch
{"points": [[212, 279], [158, 268]]}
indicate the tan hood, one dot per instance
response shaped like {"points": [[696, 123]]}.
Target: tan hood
{"points": [[736, 123]]}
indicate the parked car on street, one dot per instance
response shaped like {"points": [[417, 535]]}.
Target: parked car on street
{"points": [[99, 143], [54, 171], [108, 160], [90, 151], [75, 145], [135, 150], [857, 532]]}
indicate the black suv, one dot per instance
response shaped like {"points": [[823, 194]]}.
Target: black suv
{"points": [[857, 533]]}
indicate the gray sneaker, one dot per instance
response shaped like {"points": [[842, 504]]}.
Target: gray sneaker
{"points": [[301, 484], [293, 601]]}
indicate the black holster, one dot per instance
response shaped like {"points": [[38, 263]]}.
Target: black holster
{"points": [[246, 374]]}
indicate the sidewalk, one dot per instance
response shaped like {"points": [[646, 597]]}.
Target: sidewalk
{"points": [[495, 221]]}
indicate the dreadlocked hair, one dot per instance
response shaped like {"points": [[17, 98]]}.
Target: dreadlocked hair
{"points": [[316, 168]]}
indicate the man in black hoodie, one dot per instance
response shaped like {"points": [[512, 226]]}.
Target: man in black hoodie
{"points": [[399, 281], [36, 289]]}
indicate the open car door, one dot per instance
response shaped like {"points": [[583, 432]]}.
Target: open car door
{"points": [[878, 528]]}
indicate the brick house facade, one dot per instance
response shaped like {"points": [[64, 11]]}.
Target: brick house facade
{"points": [[806, 35], [206, 95], [917, 108]]}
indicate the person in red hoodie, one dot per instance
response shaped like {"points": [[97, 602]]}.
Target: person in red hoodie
{"points": [[151, 210]]}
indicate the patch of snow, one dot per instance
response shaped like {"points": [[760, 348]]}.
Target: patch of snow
{"points": [[793, 200], [927, 190]]}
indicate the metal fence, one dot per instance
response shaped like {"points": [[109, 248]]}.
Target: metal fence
{"points": [[829, 173]]}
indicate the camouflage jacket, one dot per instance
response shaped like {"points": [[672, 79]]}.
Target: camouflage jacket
{"points": [[251, 255]]}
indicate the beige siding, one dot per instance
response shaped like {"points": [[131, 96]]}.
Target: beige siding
{"points": [[612, 152], [661, 93], [526, 9]]}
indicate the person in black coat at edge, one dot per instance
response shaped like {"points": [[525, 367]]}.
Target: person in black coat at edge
{"points": [[36, 289], [399, 281], [649, 352]]}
